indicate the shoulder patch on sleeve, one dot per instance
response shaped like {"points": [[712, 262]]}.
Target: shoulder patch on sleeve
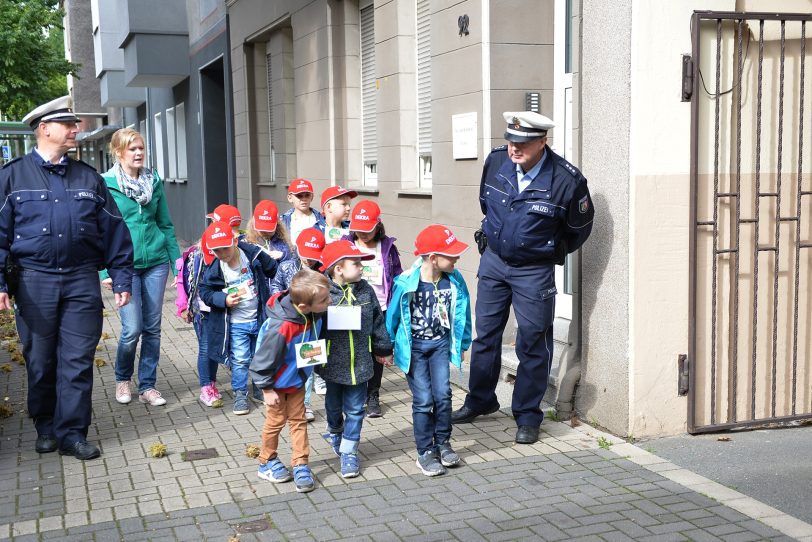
{"points": [[11, 162]]}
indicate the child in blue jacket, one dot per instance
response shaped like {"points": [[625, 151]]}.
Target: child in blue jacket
{"points": [[429, 321], [235, 287], [294, 317]]}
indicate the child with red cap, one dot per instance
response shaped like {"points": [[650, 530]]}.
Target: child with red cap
{"points": [[228, 214], [265, 231], [356, 338], [300, 215], [429, 322], [191, 309], [335, 204], [368, 234], [309, 245], [235, 287]]}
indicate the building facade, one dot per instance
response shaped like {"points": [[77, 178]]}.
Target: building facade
{"points": [[162, 68], [661, 326]]}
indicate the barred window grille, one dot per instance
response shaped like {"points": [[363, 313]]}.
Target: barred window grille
{"points": [[368, 89]]}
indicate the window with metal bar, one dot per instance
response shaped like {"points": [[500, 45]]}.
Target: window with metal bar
{"points": [[369, 108], [424, 92]]}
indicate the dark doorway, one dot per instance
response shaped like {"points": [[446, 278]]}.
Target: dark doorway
{"points": [[214, 132]]}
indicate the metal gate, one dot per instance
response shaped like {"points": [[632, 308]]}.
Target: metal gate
{"points": [[751, 221]]}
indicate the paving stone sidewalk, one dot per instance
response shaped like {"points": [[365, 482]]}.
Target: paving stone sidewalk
{"points": [[566, 487]]}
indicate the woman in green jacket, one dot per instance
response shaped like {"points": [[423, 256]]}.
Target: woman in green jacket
{"points": [[139, 194]]}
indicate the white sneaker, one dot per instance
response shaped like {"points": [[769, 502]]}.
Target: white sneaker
{"points": [[309, 415], [123, 395], [153, 397], [319, 385]]}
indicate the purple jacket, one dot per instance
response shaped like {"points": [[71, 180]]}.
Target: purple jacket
{"points": [[391, 262]]}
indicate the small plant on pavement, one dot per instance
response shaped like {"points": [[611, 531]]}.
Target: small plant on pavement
{"points": [[252, 451], [157, 450], [552, 415], [603, 443]]}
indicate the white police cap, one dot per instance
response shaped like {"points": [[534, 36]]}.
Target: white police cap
{"points": [[59, 110], [524, 126]]}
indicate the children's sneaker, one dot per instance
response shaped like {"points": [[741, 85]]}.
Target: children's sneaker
{"points": [[241, 403], [319, 385], [309, 415], [215, 392], [123, 394], [374, 405], [429, 463], [206, 395], [303, 479], [350, 465], [152, 396], [274, 471], [334, 440], [448, 457]]}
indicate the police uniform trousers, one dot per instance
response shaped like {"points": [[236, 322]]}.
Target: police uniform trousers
{"points": [[59, 320], [531, 291]]}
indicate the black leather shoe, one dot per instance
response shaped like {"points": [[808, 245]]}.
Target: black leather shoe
{"points": [[45, 444], [467, 415], [527, 434], [81, 450]]}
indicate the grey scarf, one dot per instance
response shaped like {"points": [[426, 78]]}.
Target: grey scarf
{"points": [[139, 189]]}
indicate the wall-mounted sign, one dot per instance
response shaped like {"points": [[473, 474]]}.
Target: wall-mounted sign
{"points": [[464, 136]]}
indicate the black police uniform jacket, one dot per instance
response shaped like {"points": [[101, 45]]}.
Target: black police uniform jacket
{"points": [[61, 223], [546, 221]]}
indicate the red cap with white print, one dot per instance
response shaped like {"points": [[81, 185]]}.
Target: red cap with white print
{"points": [[266, 216], [340, 250], [310, 243], [438, 239], [218, 235], [365, 216]]}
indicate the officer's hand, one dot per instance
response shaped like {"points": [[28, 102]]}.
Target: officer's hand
{"points": [[122, 299], [108, 283], [5, 301], [232, 300]]}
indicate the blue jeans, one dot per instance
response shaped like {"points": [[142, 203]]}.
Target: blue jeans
{"points": [[141, 318], [428, 378], [242, 341], [206, 368], [344, 405]]}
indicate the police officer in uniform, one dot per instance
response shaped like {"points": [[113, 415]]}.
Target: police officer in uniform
{"points": [[58, 227], [537, 210]]}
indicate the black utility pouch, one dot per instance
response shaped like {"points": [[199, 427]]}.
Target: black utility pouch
{"points": [[12, 273], [481, 240]]}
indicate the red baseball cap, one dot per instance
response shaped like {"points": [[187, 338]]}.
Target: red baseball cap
{"points": [[310, 243], [208, 255], [218, 235], [437, 239], [266, 216], [298, 186], [226, 213], [336, 192], [340, 250], [365, 216]]}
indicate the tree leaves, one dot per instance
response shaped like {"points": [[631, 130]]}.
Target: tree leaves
{"points": [[33, 67]]}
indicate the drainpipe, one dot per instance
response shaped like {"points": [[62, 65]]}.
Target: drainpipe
{"points": [[565, 403]]}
